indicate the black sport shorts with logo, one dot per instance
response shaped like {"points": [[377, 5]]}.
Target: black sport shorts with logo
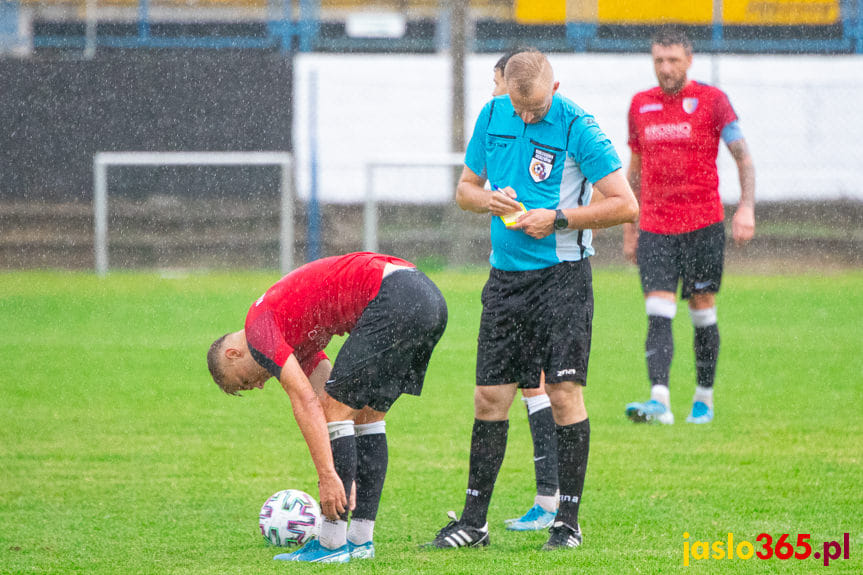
{"points": [[536, 320], [388, 351], [695, 259]]}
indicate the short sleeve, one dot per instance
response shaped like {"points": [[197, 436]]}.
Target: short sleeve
{"points": [[309, 364], [723, 113], [592, 150], [474, 157], [266, 342]]}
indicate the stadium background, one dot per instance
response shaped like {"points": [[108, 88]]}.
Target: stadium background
{"points": [[340, 83]]}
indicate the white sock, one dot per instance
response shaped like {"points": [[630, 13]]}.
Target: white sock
{"points": [[536, 403], [333, 533], [361, 531], [704, 395], [547, 502], [661, 394]]}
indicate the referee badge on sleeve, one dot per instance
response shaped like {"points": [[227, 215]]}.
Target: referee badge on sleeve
{"points": [[541, 164]]}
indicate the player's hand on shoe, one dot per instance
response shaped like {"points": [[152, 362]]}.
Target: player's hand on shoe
{"points": [[332, 496]]}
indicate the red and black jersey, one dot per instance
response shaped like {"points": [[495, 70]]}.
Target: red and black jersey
{"points": [[301, 312], [677, 137]]}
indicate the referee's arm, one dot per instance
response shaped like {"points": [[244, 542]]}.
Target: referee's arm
{"points": [[471, 195]]}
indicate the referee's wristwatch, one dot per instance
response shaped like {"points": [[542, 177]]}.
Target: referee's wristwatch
{"points": [[560, 221]]}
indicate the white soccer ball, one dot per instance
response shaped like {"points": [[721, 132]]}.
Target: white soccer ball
{"points": [[290, 518]]}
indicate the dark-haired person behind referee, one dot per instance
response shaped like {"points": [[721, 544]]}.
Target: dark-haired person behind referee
{"points": [[539, 149]]}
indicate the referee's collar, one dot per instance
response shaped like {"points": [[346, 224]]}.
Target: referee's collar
{"points": [[552, 110]]}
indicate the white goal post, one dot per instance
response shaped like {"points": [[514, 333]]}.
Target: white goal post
{"points": [[102, 160], [370, 217]]}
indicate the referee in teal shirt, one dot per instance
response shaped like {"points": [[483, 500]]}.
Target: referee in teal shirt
{"points": [[539, 150]]}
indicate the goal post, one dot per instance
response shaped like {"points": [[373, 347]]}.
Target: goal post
{"points": [[370, 215], [103, 160]]}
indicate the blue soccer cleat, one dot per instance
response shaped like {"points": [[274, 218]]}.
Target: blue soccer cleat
{"points": [[536, 519], [701, 413], [648, 412], [362, 551], [314, 552]]}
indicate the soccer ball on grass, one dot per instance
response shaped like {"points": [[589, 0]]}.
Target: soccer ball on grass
{"points": [[290, 518]]}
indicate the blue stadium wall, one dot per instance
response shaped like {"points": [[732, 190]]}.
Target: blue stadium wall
{"points": [[58, 111]]}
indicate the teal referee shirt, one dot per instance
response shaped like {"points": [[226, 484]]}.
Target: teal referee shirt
{"points": [[550, 164]]}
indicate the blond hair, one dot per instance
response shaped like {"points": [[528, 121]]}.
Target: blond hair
{"points": [[525, 70]]}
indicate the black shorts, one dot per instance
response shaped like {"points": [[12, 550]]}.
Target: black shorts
{"points": [[695, 259], [387, 352], [536, 320]]}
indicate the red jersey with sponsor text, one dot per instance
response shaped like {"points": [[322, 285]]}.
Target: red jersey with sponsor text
{"points": [[301, 312], [678, 137]]}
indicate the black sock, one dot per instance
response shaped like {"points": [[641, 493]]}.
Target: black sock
{"points": [[372, 459], [487, 448], [542, 430], [345, 461], [659, 349], [706, 354], [573, 446]]}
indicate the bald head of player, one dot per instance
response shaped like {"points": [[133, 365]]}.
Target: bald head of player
{"points": [[531, 85]]}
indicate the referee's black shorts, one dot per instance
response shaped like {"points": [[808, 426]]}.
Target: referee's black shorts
{"points": [[693, 259], [387, 352], [536, 320]]}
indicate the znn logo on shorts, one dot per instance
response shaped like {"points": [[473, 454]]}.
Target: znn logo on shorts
{"points": [[568, 371]]}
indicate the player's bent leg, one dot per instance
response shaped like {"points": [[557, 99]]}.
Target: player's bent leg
{"points": [[340, 426], [372, 461]]}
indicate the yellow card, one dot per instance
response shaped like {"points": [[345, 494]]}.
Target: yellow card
{"points": [[509, 220]]}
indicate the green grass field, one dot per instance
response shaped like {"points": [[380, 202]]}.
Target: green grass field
{"points": [[119, 455]]}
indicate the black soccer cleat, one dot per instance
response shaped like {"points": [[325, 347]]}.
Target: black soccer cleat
{"points": [[457, 534], [562, 536]]}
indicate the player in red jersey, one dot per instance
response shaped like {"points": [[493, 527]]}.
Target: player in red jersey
{"points": [[674, 134], [395, 316]]}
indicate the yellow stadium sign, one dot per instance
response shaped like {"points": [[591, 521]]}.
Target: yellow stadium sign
{"points": [[755, 12], [655, 11], [811, 12], [540, 11]]}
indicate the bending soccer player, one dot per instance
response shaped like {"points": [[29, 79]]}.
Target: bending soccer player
{"points": [[674, 133], [395, 316]]}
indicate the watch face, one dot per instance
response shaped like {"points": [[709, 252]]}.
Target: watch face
{"points": [[560, 221]]}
